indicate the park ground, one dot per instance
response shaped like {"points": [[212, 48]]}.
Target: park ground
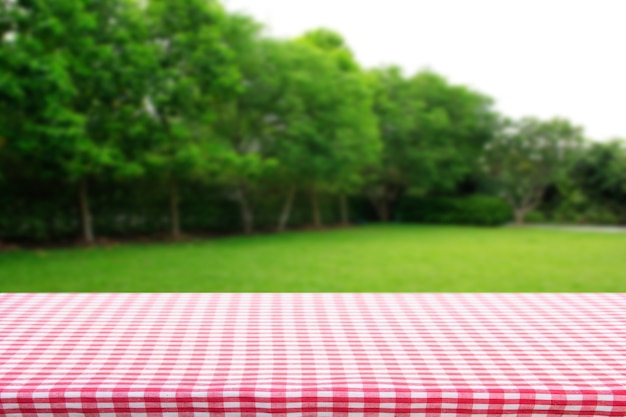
{"points": [[362, 259]]}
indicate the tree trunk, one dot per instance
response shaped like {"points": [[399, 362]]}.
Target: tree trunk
{"points": [[174, 210], [343, 206], [284, 215], [247, 218], [315, 208], [520, 214], [381, 205], [382, 209], [86, 223]]}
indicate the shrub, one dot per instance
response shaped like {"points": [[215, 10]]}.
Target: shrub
{"points": [[475, 210], [600, 215], [535, 216], [41, 212]]}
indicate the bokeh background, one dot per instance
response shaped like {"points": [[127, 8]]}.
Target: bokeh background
{"points": [[163, 145]]}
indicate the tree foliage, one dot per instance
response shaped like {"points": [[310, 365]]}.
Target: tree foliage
{"points": [[86, 60], [194, 70], [524, 157], [177, 95], [432, 133], [600, 172], [244, 121]]}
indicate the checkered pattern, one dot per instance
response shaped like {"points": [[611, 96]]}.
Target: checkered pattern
{"points": [[313, 354]]}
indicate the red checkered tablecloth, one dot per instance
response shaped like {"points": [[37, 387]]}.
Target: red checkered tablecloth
{"points": [[313, 354]]}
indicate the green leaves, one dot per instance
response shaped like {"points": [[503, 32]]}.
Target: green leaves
{"points": [[432, 133], [195, 69], [182, 91], [330, 134], [600, 172], [74, 79], [525, 156]]}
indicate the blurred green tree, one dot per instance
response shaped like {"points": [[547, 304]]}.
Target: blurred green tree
{"points": [[195, 69], [245, 120], [432, 134], [328, 132], [600, 172], [71, 83], [356, 129], [524, 157]]}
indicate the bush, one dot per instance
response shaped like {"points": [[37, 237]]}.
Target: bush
{"points": [[599, 215], [535, 216], [591, 214], [474, 210], [42, 212]]}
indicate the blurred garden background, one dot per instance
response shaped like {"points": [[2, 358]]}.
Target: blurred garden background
{"points": [[128, 123]]}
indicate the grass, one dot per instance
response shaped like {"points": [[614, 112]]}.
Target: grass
{"points": [[366, 259]]}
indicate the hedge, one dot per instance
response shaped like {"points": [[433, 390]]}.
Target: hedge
{"points": [[473, 210], [48, 212]]}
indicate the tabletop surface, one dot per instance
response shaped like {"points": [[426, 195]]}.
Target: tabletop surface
{"points": [[313, 354]]}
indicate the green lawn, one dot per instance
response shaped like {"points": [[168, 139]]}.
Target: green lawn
{"points": [[376, 259]]}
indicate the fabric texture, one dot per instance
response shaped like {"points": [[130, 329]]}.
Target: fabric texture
{"points": [[313, 354]]}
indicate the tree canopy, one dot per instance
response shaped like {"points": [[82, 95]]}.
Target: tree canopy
{"points": [[170, 95], [600, 172], [528, 155], [432, 133]]}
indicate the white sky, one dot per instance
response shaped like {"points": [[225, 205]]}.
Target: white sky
{"points": [[534, 57]]}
